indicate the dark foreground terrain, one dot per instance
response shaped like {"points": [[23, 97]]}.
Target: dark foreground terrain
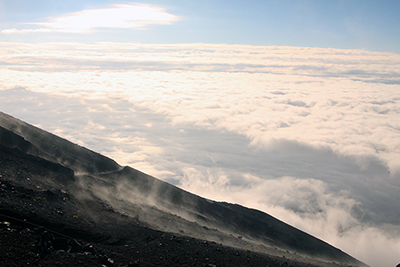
{"points": [[64, 205]]}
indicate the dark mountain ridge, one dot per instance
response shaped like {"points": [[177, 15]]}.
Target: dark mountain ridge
{"points": [[101, 201]]}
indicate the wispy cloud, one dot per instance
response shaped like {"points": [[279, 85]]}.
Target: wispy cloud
{"points": [[118, 16]]}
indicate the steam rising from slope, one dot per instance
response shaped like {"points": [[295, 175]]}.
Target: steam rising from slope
{"points": [[310, 136]]}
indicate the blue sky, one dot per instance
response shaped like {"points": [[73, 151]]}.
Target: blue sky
{"points": [[351, 24]]}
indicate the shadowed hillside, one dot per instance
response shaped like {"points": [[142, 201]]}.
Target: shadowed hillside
{"points": [[85, 197]]}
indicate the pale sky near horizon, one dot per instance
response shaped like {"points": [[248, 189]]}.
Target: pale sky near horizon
{"points": [[290, 107], [345, 24]]}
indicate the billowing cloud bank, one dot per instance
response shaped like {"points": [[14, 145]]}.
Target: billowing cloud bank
{"points": [[309, 135]]}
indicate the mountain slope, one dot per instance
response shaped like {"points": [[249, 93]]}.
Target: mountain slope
{"points": [[113, 202]]}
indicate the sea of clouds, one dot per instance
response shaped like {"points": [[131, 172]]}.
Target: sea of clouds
{"points": [[308, 135]]}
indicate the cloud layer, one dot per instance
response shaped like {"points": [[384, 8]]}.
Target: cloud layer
{"points": [[308, 135], [118, 16]]}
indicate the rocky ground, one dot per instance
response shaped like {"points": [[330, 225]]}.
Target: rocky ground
{"points": [[27, 246], [41, 225]]}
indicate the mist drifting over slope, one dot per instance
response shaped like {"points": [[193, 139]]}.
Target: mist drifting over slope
{"points": [[308, 135]]}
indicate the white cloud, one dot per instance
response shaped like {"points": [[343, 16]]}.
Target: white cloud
{"points": [[118, 16], [308, 135]]}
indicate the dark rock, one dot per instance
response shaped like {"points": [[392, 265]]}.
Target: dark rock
{"points": [[44, 244], [89, 248], [134, 264], [107, 261], [75, 247], [60, 244]]}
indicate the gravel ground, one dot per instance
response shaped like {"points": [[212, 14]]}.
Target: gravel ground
{"points": [[41, 225]]}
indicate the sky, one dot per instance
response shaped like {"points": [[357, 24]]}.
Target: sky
{"points": [[290, 107], [346, 24]]}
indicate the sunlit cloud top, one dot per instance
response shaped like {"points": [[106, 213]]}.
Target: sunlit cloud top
{"points": [[308, 135], [118, 16]]}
